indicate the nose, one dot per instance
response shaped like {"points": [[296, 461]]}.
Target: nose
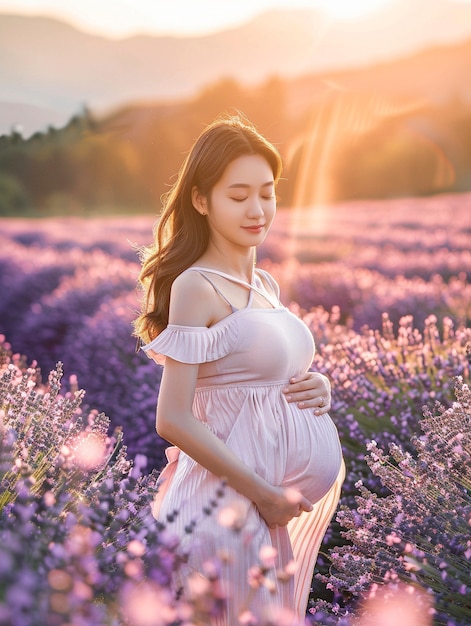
{"points": [[255, 209]]}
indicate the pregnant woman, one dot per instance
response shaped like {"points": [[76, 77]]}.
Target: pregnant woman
{"points": [[236, 398]]}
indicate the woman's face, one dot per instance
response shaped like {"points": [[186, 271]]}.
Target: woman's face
{"points": [[242, 204]]}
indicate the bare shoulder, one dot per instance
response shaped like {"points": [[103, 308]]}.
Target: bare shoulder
{"points": [[192, 300]]}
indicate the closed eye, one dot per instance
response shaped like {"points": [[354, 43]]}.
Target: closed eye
{"points": [[264, 197]]}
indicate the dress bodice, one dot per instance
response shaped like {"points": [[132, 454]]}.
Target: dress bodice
{"points": [[251, 345]]}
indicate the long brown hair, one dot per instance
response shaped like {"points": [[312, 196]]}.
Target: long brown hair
{"points": [[182, 234]]}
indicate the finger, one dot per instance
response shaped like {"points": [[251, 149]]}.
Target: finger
{"points": [[314, 404], [305, 505], [304, 379], [303, 396], [271, 524], [320, 403], [323, 405], [306, 384], [295, 497]]}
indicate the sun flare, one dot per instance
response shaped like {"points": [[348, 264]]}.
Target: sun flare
{"points": [[350, 9]]}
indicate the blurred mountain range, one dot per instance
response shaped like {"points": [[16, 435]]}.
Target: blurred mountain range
{"points": [[49, 69]]}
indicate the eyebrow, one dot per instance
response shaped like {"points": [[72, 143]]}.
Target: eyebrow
{"points": [[245, 186]]}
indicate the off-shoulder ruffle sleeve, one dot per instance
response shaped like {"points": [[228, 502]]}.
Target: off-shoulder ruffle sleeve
{"points": [[192, 344]]}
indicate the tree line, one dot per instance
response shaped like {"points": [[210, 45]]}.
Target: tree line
{"points": [[335, 147]]}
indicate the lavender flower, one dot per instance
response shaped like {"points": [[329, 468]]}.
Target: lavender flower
{"points": [[420, 532], [75, 519]]}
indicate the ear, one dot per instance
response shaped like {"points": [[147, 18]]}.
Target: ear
{"points": [[199, 201]]}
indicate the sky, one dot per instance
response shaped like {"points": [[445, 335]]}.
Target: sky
{"points": [[120, 18]]}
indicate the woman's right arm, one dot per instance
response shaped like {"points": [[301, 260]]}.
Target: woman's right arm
{"points": [[192, 304]]}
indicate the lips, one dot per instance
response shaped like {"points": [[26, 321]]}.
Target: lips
{"points": [[256, 228]]}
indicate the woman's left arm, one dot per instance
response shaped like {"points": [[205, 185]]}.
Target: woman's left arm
{"points": [[310, 390]]}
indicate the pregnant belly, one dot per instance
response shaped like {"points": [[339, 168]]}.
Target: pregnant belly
{"points": [[313, 453], [283, 444]]}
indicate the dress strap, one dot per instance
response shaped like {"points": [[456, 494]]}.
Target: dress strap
{"points": [[269, 280], [223, 274], [217, 290], [252, 287]]}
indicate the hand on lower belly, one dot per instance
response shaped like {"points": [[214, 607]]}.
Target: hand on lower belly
{"points": [[280, 504]]}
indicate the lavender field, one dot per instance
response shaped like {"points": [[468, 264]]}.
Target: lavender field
{"points": [[385, 287]]}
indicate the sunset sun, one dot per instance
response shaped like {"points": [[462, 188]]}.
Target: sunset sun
{"points": [[350, 9]]}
